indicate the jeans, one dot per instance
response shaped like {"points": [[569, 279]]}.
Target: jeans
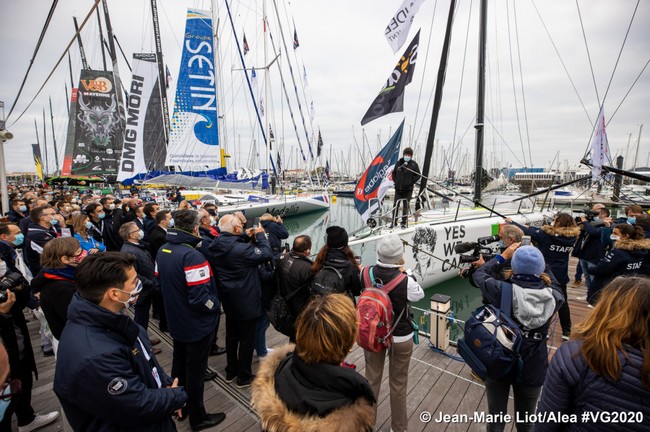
{"points": [[579, 272], [240, 339], [526, 397], [189, 365], [260, 335], [586, 265], [564, 313]]}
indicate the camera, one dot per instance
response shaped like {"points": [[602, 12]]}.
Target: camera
{"points": [[9, 281], [589, 215], [477, 248]]}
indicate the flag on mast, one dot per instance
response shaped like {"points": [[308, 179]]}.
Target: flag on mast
{"points": [[296, 43], [38, 161], [391, 97], [378, 177], [398, 28], [599, 147], [320, 144], [246, 47]]}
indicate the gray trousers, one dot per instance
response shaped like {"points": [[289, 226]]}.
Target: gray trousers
{"points": [[399, 357]]}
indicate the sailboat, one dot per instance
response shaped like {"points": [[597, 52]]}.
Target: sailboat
{"points": [[432, 234]]}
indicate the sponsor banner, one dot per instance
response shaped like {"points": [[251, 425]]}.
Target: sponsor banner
{"points": [[374, 183], [97, 136], [144, 147], [398, 28], [194, 136], [38, 161]]}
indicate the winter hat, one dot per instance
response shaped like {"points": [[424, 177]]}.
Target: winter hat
{"points": [[528, 260], [390, 249], [337, 237]]}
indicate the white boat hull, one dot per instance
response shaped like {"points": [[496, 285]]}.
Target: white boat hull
{"points": [[278, 206]]}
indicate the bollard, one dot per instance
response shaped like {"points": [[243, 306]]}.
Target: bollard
{"points": [[333, 199], [439, 323]]}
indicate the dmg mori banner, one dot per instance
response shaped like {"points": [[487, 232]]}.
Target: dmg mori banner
{"points": [[144, 137], [97, 137]]}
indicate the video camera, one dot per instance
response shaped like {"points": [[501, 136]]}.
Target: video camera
{"points": [[9, 281], [589, 215], [477, 249]]}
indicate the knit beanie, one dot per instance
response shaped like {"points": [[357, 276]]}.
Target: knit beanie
{"points": [[390, 249], [528, 260], [337, 237]]}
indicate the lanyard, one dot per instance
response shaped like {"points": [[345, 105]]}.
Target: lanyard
{"points": [[154, 369]]}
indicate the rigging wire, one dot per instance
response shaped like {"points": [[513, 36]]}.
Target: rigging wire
{"points": [[521, 77], [514, 87], [628, 92], [36, 49], [591, 66], [504, 141]]}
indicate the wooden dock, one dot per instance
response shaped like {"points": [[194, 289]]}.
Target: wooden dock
{"points": [[439, 384]]}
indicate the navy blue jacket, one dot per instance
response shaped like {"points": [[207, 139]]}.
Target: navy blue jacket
{"points": [[588, 247], [626, 257], [572, 387], [533, 352], [35, 240], [208, 238], [188, 287], [15, 217], [276, 233], [556, 244], [145, 265], [103, 378], [237, 274]]}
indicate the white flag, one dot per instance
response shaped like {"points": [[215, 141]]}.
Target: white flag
{"points": [[398, 28], [312, 111], [599, 146]]}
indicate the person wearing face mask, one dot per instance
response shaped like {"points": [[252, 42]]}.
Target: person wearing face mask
{"points": [[55, 282], [107, 376], [41, 230], [149, 222], [17, 211], [103, 231], [192, 305], [164, 221], [132, 237], [631, 213], [626, 257], [83, 229], [405, 175]]}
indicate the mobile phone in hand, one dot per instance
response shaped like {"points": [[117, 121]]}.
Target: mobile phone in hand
{"points": [[525, 240], [256, 223]]}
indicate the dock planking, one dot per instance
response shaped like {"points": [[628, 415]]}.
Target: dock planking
{"points": [[438, 383]]}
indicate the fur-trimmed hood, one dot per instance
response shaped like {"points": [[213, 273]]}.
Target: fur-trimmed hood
{"points": [[630, 245], [275, 416], [561, 231]]}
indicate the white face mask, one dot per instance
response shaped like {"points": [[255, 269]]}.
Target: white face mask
{"points": [[140, 235], [111, 206], [133, 295], [614, 237]]}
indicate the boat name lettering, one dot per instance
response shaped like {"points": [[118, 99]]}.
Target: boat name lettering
{"points": [[206, 89], [456, 232], [449, 264], [131, 133], [449, 247]]}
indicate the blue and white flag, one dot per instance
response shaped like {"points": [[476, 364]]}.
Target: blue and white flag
{"points": [[398, 28], [194, 135]]}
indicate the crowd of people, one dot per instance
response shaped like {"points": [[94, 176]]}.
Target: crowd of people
{"points": [[79, 261]]}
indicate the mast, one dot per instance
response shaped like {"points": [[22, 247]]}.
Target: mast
{"points": [[437, 101], [161, 69], [56, 153], [45, 145], [116, 72], [84, 62], [267, 121], [101, 37], [480, 104]]}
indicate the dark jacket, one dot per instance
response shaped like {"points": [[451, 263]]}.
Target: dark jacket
{"points": [[35, 240], [403, 175], [145, 265], [588, 246], [556, 244], [157, 238], [533, 351], [626, 257], [237, 274], [188, 287], [276, 233], [290, 395], [208, 238], [572, 387], [105, 232], [103, 378], [350, 272], [56, 291], [398, 297], [294, 273], [14, 322], [15, 217]]}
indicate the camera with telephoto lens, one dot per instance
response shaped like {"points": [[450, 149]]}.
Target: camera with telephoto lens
{"points": [[589, 215], [9, 281], [477, 248]]}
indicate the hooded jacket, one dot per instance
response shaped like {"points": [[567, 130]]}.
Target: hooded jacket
{"points": [[294, 274], [35, 240], [533, 348], [572, 387], [350, 272], [626, 257], [588, 247], [346, 401], [57, 289], [556, 244], [15, 217], [105, 376], [276, 232], [405, 179], [188, 287], [238, 279], [145, 265]]}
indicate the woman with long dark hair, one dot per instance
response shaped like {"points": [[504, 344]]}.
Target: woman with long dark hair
{"points": [[338, 255]]}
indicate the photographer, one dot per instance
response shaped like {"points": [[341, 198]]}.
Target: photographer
{"points": [[588, 248]]}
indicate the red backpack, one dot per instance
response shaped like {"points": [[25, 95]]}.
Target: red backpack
{"points": [[375, 313]]}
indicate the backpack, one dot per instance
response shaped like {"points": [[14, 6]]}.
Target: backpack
{"points": [[280, 315], [492, 339], [375, 313], [328, 280]]}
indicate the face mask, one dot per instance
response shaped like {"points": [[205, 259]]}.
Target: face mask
{"points": [[77, 259], [133, 295], [140, 235], [596, 219], [171, 223], [22, 208], [54, 221], [500, 243], [101, 215], [89, 225], [111, 206], [631, 220], [4, 403], [20, 238], [213, 221], [614, 237], [407, 158]]}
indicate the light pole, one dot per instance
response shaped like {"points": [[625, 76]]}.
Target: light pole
{"points": [[5, 135]]}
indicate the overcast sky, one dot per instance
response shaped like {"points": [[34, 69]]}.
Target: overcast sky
{"points": [[347, 59]]}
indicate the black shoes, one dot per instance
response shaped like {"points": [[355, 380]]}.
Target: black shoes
{"points": [[217, 350], [244, 383], [209, 376], [211, 421]]}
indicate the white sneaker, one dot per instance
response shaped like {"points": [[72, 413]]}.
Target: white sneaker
{"points": [[39, 421], [581, 298]]}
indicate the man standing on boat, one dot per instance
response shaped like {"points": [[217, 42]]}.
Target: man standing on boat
{"points": [[405, 175]]}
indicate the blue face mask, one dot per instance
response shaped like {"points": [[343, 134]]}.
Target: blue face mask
{"points": [[631, 220], [500, 243], [89, 225], [101, 215], [22, 209], [54, 221], [4, 403], [407, 158], [20, 238], [171, 223], [596, 219]]}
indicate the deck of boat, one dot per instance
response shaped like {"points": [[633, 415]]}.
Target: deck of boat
{"points": [[438, 383]]}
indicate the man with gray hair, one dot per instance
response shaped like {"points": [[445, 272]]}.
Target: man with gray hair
{"points": [[192, 307], [240, 289]]}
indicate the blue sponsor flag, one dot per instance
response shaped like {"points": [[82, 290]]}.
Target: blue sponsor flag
{"points": [[376, 180]]}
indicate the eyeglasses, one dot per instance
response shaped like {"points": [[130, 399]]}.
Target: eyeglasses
{"points": [[14, 389]]}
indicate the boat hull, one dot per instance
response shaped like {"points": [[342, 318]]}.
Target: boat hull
{"points": [[283, 207]]}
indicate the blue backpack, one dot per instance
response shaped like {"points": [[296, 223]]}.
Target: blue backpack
{"points": [[492, 339]]}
